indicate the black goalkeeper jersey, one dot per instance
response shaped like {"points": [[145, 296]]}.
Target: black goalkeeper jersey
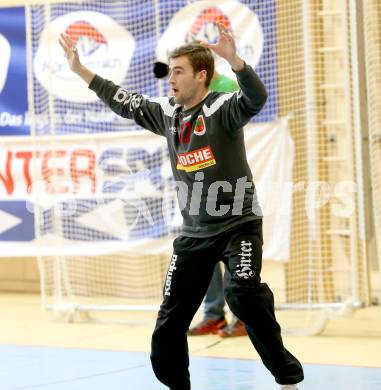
{"points": [[206, 148]]}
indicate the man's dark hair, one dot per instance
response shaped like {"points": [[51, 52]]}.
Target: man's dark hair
{"points": [[200, 57]]}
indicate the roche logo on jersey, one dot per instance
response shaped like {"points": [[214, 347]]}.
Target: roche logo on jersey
{"points": [[200, 128], [103, 45], [195, 160], [5, 50], [198, 20]]}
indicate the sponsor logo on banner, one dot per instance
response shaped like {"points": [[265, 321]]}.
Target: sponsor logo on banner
{"points": [[200, 128], [196, 159], [204, 26], [103, 45], [5, 50], [197, 21]]}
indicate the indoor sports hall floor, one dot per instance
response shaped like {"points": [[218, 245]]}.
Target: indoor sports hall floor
{"points": [[41, 354]]}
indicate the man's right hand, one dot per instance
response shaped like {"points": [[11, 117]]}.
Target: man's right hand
{"points": [[71, 52], [72, 56]]}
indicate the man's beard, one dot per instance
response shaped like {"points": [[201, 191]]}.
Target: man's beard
{"points": [[179, 100]]}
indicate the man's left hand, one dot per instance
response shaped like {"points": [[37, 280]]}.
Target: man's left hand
{"points": [[225, 48]]}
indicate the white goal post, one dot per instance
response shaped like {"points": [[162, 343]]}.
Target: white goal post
{"points": [[301, 53]]}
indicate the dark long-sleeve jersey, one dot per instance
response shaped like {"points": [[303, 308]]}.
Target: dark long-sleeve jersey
{"points": [[206, 149]]}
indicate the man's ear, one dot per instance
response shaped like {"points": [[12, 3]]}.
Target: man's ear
{"points": [[202, 74]]}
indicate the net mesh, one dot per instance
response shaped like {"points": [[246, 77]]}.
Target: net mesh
{"points": [[306, 66], [372, 31]]}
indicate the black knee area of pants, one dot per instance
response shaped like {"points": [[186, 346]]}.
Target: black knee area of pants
{"points": [[246, 299]]}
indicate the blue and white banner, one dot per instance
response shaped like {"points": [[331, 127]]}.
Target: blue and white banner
{"points": [[13, 75], [119, 47]]}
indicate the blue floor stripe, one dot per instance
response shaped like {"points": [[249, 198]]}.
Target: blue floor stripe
{"points": [[51, 368]]}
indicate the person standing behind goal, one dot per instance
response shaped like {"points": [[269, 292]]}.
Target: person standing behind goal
{"points": [[221, 215]]}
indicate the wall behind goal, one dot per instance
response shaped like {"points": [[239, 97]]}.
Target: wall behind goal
{"points": [[20, 274]]}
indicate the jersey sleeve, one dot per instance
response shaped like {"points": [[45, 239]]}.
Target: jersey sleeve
{"points": [[239, 107], [144, 111]]}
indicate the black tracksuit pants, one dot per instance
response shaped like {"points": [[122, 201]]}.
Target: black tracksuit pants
{"points": [[188, 277]]}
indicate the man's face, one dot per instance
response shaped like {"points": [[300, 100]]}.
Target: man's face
{"points": [[185, 84]]}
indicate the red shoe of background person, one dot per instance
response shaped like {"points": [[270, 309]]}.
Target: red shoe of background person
{"points": [[207, 326], [235, 329]]}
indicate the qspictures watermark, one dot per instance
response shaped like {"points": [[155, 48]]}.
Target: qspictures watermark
{"points": [[267, 198]]}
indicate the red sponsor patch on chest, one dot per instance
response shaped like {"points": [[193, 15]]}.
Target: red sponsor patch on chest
{"points": [[196, 159]]}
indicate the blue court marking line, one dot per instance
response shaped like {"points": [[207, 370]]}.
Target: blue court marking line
{"points": [[52, 368]]}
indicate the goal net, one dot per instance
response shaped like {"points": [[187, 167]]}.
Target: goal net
{"points": [[372, 33], [107, 216]]}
